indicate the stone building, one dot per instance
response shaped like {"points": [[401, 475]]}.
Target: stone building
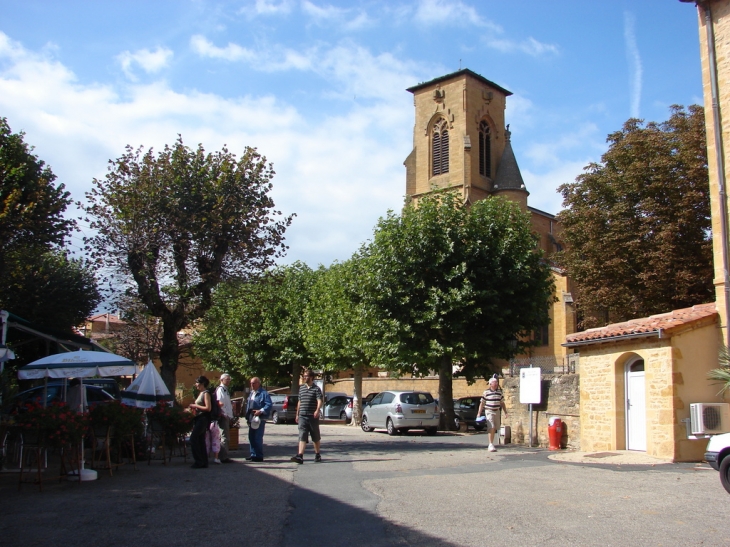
{"points": [[461, 144], [638, 378]]}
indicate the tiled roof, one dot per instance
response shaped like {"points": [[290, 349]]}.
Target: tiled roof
{"points": [[659, 325], [103, 317]]}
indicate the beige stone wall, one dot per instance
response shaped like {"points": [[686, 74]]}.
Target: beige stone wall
{"points": [[695, 354], [675, 376], [721, 22]]}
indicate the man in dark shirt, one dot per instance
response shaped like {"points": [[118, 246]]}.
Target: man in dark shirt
{"points": [[307, 416]]}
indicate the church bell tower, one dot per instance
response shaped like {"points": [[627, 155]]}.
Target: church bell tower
{"points": [[460, 141]]}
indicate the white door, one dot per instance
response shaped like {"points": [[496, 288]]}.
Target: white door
{"points": [[635, 407]]}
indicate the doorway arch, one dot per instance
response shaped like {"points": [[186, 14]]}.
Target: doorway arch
{"points": [[635, 404]]}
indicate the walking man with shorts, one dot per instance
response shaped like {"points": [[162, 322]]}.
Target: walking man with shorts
{"points": [[307, 416], [492, 404]]}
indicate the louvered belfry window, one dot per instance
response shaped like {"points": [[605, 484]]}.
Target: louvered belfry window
{"points": [[485, 150], [440, 144]]}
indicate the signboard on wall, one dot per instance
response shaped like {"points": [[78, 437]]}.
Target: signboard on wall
{"points": [[530, 386]]}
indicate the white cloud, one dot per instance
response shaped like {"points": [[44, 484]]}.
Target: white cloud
{"points": [[232, 52], [149, 61], [542, 185], [530, 46], [451, 13], [634, 60], [339, 173], [269, 7]]}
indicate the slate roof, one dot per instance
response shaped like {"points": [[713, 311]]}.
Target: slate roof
{"points": [[509, 176], [662, 325], [456, 74]]}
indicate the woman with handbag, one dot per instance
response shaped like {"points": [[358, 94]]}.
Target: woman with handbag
{"points": [[201, 407]]}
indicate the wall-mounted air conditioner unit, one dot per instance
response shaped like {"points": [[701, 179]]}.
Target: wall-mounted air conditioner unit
{"points": [[709, 418]]}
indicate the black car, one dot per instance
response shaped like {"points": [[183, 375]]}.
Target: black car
{"points": [[465, 410]]}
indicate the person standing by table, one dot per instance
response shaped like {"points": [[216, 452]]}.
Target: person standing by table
{"points": [[224, 422], [201, 407], [307, 416], [259, 405]]}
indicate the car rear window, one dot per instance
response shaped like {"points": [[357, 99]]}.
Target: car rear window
{"points": [[416, 398]]}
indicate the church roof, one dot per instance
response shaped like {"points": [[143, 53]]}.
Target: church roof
{"points": [[508, 176], [456, 75]]}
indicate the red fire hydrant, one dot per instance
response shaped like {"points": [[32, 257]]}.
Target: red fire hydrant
{"points": [[555, 432]]}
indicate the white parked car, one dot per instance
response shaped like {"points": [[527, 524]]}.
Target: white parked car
{"points": [[398, 411], [717, 455]]}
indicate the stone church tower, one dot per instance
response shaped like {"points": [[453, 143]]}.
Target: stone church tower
{"points": [[461, 143], [460, 140]]}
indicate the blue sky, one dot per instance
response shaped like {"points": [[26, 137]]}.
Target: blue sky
{"points": [[319, 88]]}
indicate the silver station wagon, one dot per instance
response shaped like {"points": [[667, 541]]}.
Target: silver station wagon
{"points": [[398, 411]]}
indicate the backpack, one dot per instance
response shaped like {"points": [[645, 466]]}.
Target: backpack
{"points": [[215, 408]]}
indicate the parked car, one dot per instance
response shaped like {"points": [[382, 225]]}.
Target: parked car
{"points": [[717, 454], [284, 408], [398, 411], [369, 397], [336, 408], [365, 401], [54, 393], [466, 409]]}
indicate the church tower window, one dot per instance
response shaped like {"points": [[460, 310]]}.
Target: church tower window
{"points": [[440, 148], [485, 150]]}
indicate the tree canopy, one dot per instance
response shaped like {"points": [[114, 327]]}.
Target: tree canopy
{"points": [[41, 282], [177, 223], [454, 284], [637, 224], [256, 327], [31, 206]]}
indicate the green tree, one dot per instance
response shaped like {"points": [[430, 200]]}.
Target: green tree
{"points": [[31, 206], [454, 285], [337, 321], [178, 223], [49, 288], [637, 224], [256, 328], [41, 282]]}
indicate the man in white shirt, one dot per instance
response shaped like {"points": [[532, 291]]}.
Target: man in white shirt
{"points": [[224, 400]]}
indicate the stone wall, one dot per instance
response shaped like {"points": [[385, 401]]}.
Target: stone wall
{"points": [[560, 396]]}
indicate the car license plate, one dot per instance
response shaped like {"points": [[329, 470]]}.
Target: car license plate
{"points": [[418, 411]]}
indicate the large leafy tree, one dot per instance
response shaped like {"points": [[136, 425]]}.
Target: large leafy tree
{"points": [[178, 223], [31, 205], [454, 285], [40, 281], [637, 224], [256, 328], [337, 324]]}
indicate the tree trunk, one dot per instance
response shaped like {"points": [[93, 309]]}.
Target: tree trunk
{"points": [[296, 374], [357, 396], [169, 355], [446, 394]]}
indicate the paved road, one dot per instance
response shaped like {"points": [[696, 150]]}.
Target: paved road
{"points": [[377, 491]]}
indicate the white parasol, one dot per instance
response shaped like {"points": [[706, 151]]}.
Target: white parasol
{"points": [[78, 364], [147, 390]]}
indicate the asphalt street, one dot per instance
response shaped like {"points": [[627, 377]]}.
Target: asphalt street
{"points": [[375, 490]]}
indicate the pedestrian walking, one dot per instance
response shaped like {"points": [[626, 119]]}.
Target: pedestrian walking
{"points": [[224, 421], [257, 410], [492, 403], [307, 417]]}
